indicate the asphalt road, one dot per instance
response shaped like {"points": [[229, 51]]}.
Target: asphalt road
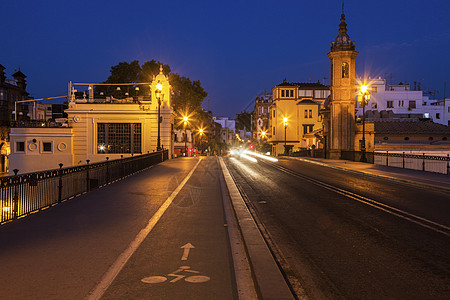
{"points": [[340, 235], [67, 251]]}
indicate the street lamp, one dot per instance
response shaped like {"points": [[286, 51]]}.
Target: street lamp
{"points": [[185, 119], [201, 131], [263, 134], [285, 127], [159, 95], [363, 97]]}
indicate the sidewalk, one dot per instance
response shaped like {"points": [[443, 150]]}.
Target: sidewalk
{"points": [[425, 179]]}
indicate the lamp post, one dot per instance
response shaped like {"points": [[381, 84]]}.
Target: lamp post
{"points": [[201, 136], [285, 127], [363, 96], [159, 95], [185, 119]]}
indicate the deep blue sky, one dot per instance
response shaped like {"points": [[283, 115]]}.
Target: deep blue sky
{"points": [[235, 48]]}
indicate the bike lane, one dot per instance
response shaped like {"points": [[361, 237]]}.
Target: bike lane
{"points": [[187, 253]]}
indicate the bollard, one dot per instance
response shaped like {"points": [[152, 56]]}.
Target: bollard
{"points": [[88, 184], [387, 158], [403, 160], [16, 196], [60, 183]]}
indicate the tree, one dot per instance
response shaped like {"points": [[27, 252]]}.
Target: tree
{"points": [[187, 95]]}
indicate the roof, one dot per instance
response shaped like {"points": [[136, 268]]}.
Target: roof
{"points": [[308, 85], [410, 127], [2, 67], [19, 74], [307, 101]]}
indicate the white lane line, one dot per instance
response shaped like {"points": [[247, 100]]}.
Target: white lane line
{"points": [[120, 262], [381, 206]]}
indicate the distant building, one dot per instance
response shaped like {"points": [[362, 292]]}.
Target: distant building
{"points": [[11, 90], [398, 101], [261, 117], [228, 130]]}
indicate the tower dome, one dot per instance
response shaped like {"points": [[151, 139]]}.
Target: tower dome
{"points": [[342, 41]]}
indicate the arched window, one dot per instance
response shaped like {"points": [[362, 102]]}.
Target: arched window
{"points": [[345, 70]]}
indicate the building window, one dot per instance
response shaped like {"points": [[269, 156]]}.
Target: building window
{"points": [[274, 113], [119, 138], [282, 93], [426, 115], [46, 146], [438, 116], [307, 128], [273, 130], [306, 113], [374, 89], [412, 104], [310, 113], [390, 104], [401, 103], [345, 70], [292, 93], [20, 146], [374, 105]]}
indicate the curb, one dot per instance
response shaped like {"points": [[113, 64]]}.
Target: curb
{"points": [[425, 185], [269, 282]]}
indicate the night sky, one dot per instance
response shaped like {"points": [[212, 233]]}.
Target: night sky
{"points": [[235, 48]]}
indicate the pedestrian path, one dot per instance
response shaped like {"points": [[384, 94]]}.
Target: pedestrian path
{"points": [[426, 179]]}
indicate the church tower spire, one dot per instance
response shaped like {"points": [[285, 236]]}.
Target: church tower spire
{"points": [[342, 56]]}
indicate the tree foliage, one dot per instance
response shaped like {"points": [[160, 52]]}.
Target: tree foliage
{"points": [[187, 95]]}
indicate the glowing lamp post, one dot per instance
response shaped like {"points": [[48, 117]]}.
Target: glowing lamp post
{"points": [[285, 121], [363, 97], [159, 96], [185, 120]]}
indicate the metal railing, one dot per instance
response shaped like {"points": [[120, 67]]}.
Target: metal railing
{"points": [[21, 195], [428, 163]]}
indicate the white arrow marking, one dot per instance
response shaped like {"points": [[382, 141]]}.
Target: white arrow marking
{"points": [[186, 248]]}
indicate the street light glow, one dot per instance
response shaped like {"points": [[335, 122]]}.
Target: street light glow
{"points": [[285, 121], [159, 86], [363, 88]]}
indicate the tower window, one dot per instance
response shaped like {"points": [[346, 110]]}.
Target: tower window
{"points": [[282, 93], [345, 70]]}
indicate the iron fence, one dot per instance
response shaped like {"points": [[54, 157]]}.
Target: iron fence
{"points": [[23, 194], [429, 163]]}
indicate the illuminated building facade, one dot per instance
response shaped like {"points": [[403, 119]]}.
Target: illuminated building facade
{"points": [[294, 113], [96, 129]]}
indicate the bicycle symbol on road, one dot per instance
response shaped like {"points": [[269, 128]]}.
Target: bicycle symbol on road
{"points": [[178, 276]]}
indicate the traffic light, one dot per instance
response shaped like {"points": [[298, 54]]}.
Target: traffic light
{"points": [[252, 146]]}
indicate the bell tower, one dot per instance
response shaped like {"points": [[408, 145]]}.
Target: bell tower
{"points": [[342, 104]]}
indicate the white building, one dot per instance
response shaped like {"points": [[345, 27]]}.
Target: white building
{"points": [[399, 101], [227, 132], [96, 129]]}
